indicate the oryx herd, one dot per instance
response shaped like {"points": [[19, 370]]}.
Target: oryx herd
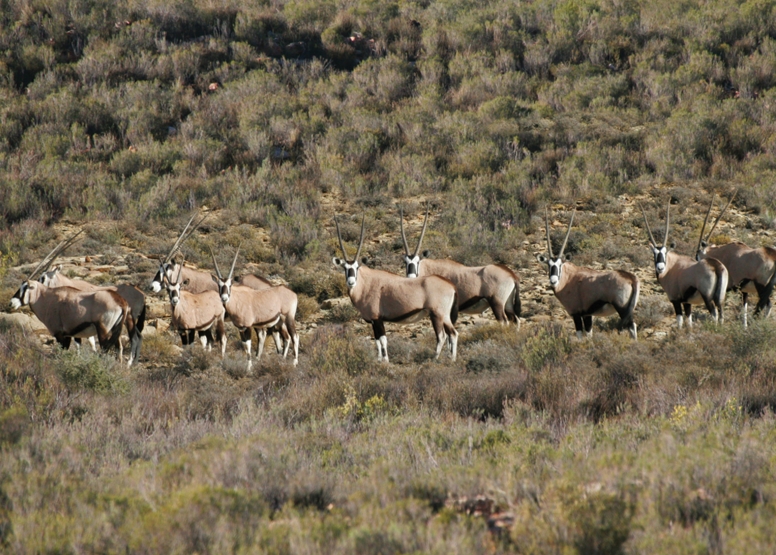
{"points": [[438, 289]]}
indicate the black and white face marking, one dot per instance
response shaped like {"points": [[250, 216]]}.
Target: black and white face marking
{"points": [[554, 267], [165, 269], [225, 290], [21, 297], [46, 278], [351, 270], [174, 291], [660, 259], [413, 266]]}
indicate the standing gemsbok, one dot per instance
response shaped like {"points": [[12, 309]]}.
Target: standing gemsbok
{"points": [[197, 281], [69, 313], [478, 287], [585, 292], [194, 313], [134, 297], [751, 270], [688, 282], [384, 297], [261, 310]]}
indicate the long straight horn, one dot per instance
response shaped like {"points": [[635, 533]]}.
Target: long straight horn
{"points": [[51, 256], [218, 270], [422, 231], [720, 215], [568, 232], [185, 237], [547, 228], [341, 244], [361, 240], [178, 241], [646, 221], [705, 221], [180, 271], [236, 254], [668, 222], [403, 236]]}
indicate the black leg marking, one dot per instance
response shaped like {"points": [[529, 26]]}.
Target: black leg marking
{"points": [[378, 327], [588, 322], [578, 324]]}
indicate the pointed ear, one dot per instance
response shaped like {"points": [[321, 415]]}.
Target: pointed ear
{"points": [[541, 258], [704, 244], [58, 268], [336, 261], [426, 253], [567, 256], [185, 282], [364, 260], [215, 277], [672, 245]]}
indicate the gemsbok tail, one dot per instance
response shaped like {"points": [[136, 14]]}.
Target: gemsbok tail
{"points": [[454, 309], [721, 287]]}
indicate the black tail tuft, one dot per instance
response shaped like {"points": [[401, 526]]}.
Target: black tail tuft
{"points": [[454, 310]]}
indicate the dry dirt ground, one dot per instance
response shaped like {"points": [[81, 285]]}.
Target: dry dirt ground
{"points": [[538, 302]]}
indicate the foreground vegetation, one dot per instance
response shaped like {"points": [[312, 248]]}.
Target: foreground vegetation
{"points": [[124, 117]]}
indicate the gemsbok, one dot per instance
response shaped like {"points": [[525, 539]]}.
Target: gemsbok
{"points": [[69, 313], [385, 297], [586, 292], [750, 270], [134, 297], [262, 309], [686, 281], [194, 313], [478, 287]]}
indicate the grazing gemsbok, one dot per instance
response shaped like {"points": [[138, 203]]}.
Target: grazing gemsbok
{"points": [[688, 282], [751, 270], [585, 292], [194, 313], [384, 297], [478, 287], [69, 313], [261, 310], [134, 297]]}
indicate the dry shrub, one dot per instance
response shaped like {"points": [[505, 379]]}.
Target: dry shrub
{"points": [[306, 307]]}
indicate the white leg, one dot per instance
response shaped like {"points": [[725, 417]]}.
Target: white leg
{"points": [[262, 338], [379, 350], [679, 321], [296, 349], [384, 344], [453, 338], [633, 330], [93, 343], [441, 338], [203, 340], [284, 350], [589, 334], [689, 320], [279, 343], [247, 347], [746, 309], [579, 335]]}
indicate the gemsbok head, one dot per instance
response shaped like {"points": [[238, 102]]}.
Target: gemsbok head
{"points": [[753, 270], [384, 297], [687, 282], [167, 266], [586, 292], [261, 310], [478, 287]]}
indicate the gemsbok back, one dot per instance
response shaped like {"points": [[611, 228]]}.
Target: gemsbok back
{"points": [[261, 310], [69, 313], [384, 297], [750, 270], [586, 292], [688, 282], [478, 287], [194, 313]]}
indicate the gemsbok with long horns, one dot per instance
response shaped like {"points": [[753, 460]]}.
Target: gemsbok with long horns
{"points": [[586, 292], [750, 270], [478, 287], [196, 313], [262, 309], [134, 297], [197, 281], [688, 282], [385, 297], [69, 313]]}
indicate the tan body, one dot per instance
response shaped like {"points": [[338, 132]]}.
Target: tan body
{"points": [[134, 297], [69, 313], [384, 297], [587, 292], [751, 270], [479, 287], [200, 313], [262, 310]]}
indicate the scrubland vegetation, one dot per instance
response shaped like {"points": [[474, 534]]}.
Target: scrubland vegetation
{"points": [[125, 117]]}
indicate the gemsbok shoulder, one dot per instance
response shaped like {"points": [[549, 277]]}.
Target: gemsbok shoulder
{"points": [[688, 282], [196, 313], [478, 287], [586, 292], [750, 270], [385, 297], [262, 309], [69, 313]]}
